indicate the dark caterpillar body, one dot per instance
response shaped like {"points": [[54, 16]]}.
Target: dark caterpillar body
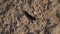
{"points": [[27, 15], [30, 2]]}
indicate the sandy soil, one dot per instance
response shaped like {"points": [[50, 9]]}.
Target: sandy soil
{"points": [[29, 16]]}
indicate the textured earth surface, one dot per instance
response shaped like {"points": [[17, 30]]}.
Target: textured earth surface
{"points": [[29, 16]]}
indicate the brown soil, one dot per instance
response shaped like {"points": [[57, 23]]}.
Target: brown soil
{"points": [[29, 16]]}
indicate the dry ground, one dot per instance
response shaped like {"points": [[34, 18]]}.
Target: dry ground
{"points": [[29, 16]]}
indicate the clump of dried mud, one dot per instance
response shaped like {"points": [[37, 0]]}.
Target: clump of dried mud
{"points": [[29, 16]]}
